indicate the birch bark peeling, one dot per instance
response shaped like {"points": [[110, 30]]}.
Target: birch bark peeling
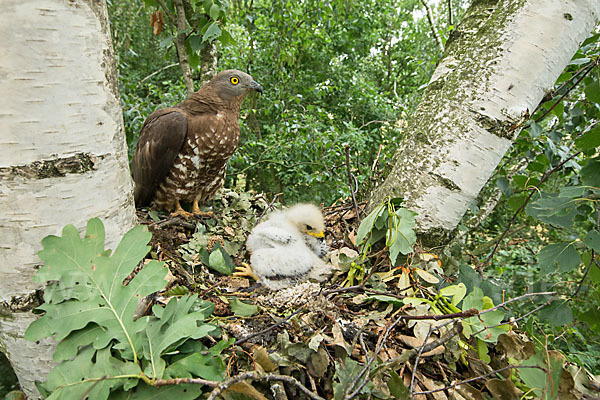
{"points": [[63, 157], [502, 59]]}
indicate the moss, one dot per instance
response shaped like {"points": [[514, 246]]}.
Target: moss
{"points": [[79, 163]]}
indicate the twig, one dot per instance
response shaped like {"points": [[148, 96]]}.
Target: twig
{"points": [[376, 160], [425, 347], [593, 64], [270, 328], [205, 291], [179, 381], [455, 384], [352, 182], [156, 72], [438, 40], [369, 362], [361, 287], [176, 221], [268, 207], [267, 377], [523, 296], [516, 319], [414, 370], [514, 217]]}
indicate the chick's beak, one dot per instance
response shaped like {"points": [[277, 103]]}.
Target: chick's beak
{"points": [[255, 86], [317, 235]]}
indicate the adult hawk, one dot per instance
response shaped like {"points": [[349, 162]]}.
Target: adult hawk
{"points": [[182, 151], [287, 248]]}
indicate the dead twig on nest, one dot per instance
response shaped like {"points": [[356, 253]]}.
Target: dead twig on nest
{"points": [[352, 181], [267, 378]]}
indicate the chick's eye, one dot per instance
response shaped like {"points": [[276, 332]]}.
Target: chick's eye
{"points": [[310, 228], [234, 80]]}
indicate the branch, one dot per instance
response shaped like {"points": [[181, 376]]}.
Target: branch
{"points": [[157, 72], [588, 70], [534, 190], [267, 377], [179, 40], [432, 23], [455, 384], [352, 182]]}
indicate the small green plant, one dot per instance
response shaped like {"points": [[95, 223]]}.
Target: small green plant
{"points": [[390, 221], [103, 350]]}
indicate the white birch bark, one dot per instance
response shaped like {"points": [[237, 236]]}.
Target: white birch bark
{"points": [[62, 151], [503, 58]]}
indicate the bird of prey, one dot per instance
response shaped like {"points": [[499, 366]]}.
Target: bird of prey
{"points": [[287, 248], [182, 151]]}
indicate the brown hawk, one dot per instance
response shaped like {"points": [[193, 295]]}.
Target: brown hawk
{"points": [[182, 151]]}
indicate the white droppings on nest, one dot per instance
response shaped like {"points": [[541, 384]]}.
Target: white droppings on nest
{"points": [[292, 297]]}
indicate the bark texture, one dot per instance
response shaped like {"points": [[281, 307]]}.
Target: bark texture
{"points": [[502, 59], [62, 151]]}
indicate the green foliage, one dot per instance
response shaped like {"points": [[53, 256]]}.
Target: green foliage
{"points": [[560, 225], [389, 220], [334, 73], [103, 349]]}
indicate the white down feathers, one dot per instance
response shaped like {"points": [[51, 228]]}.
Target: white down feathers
{"points": [[286, 249]]}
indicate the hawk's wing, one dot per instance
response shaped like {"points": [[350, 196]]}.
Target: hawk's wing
{"points": [[266, 236], [161, 139]]}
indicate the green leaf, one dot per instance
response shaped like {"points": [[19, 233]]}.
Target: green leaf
{"points": [[563, 256], [475, 299], [457, 292], [589, 140], [242, 309], [544, 385], [397, 387], [187, 391], [558, 313], [212, 32], [214, 12], [590, 173], [401, 233], [592, 91], [552, 209], [504, 186], [205, 366], [535, 129], [171, 324], [65, 380], [367, 224], [345, 374], [386, 299], [592, 240], [217, 260]]}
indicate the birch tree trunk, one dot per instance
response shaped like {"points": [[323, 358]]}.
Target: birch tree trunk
{"points": [[62, 151], [499, 63]]}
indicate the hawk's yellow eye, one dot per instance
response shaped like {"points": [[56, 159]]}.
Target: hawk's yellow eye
{"points": [[234, 80]]}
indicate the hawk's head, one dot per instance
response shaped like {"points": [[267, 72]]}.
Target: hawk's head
{"points": [[234, 85]]}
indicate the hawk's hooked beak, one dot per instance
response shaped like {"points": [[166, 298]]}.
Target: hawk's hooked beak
{"points": [[255, 86], [317, 235]]}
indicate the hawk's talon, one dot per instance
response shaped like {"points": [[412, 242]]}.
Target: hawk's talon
{"points": [[245, 270], [204, 214]]}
